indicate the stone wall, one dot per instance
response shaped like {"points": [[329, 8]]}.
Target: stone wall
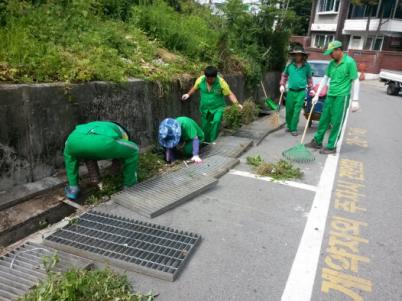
{"points": [[36, 119]]}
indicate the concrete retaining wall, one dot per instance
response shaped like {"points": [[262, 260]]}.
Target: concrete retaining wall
{"points": [[36, 119]]}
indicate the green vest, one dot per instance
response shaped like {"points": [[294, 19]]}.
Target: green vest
{"points": [[212, 100]]}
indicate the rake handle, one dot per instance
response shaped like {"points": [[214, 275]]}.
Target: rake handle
{"points": [[308, 122], [280, 101], [263, 89]]}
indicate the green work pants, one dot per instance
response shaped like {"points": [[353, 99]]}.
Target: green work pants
{"points": [[334, 113], [211, 123], [98, 147], [294, 104]]}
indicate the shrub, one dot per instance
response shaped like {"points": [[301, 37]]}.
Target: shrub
{"points": [[232, 117]]}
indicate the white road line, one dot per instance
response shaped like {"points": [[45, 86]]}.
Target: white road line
{"points": [[300, 283], [269, 179]]}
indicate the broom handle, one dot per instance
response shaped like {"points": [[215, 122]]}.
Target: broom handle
{"points": [[308, 121], [280, 101], [263, 89]]}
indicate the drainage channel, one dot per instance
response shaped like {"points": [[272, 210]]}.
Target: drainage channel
{"points": [[22, 268], [133, 245]]}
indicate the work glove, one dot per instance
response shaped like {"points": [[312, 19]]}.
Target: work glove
{"points": [[196, 159], [282, 89], [315, 99], [355, 106], [312, 93], [185, 97], [240, 106]]}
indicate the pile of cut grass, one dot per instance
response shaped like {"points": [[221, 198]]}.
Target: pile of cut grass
{"points": [[281, 170]]}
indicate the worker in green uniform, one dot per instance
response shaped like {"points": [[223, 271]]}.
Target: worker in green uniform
{"points": [[342, 73], [99, 140], [298, 76], [184, 130], [213, 89]]}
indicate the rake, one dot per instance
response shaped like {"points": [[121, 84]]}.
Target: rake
{"points": [[300, 153]]}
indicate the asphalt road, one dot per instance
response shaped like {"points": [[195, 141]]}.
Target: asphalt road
{"points": [[334, 235]]}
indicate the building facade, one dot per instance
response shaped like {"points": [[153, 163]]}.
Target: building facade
{"points": [[371, 34]]}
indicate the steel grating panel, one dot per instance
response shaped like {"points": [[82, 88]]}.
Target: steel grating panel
{"points": [[160, 194], [137, 246], [257, 130], [22, 268], [214, 166], [228, 146]]}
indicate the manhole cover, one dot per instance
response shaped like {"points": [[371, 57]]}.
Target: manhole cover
{"points": [[23, 268], [160, 194], [228, 146], [142, 247]]}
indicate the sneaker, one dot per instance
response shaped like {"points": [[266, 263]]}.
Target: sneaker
{"points": [[72, 192], [294, 133], [313, 144], [327, 151]]}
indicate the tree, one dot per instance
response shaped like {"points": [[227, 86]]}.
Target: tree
{"points": [[302, 9]]}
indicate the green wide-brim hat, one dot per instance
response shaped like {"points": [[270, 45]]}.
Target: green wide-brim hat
{"points": [[332, 46]]}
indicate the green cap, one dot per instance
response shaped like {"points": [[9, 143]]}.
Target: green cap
{"points": [[332, 46]]}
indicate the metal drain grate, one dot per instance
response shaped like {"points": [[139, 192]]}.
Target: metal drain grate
{"points": [[228, 146], [214, 166], [257, 130], [142, 247], [160, 194], [22, 268]]}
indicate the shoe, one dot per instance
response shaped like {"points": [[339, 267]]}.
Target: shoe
{"points": [[72, 192], [313, 144], [327, 151], [294, 133]]}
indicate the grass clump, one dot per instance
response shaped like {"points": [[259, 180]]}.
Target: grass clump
{"points": [[84, 285], [234, 117], [281, 170], [150, 164]]}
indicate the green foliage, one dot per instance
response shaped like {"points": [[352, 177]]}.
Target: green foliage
{"points": [[232, 117], [83, 40], [302, 8], [254, 161], [84, 285], [149, 165], [69, 41], [281, 170], [50, 261]]}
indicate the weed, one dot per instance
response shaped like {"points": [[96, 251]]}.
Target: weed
{"points": [[83, 285], [149, 165], [249, 112], [50, 261], [232, 117], [281, 170]]}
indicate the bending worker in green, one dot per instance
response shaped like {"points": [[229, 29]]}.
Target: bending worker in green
{"points": [[99, 140], [342, 72], [213, 89], [182, 129], [299, 77]]}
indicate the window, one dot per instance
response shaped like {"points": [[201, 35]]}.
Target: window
{"points": [[329, 6], [370, 44], [362, 11], [355, 42], [398, 11], [322, 40]]}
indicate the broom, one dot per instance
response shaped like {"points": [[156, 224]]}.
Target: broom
{"points": [[275, 117], [300, 153]]}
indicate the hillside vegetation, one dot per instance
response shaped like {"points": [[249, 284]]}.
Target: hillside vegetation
{"points": [[83, 40]]}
